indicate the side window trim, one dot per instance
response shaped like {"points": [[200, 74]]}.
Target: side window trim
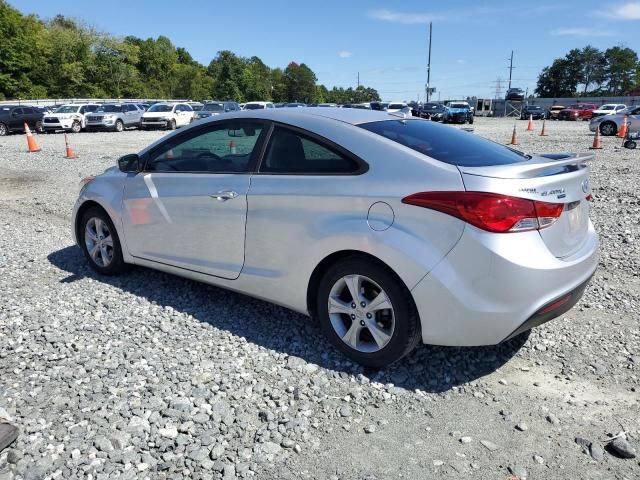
{"points": [[259, 147], [363, 166]]}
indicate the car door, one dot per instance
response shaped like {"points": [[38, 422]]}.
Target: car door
{"points": [[188, 206], [136, 114], [16, 119]]}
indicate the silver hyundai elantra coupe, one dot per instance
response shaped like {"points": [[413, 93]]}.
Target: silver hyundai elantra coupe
{"points": [[388, 229]]}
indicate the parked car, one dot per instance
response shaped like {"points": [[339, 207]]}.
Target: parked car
{"points": [[458, 112], [608, 108], [328, 105], [534, 111], [432, 111], [115, 116], [515, 94], [380, 106], [451, 251], [13, 118], [258, 105], [70, 118], [611, 124], [279, 105], [167, 115], [196, 106], [295, 105], [144, 106], [396, 106], [554, 112], [579, 111], [211, 109]]}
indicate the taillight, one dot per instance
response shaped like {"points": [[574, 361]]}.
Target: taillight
{"points": [[490, 211]]}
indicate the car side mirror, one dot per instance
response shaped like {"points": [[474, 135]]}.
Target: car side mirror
{"points": [[129, 163]]}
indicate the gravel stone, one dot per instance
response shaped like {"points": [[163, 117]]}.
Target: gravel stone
{"points": [[622, 448]]}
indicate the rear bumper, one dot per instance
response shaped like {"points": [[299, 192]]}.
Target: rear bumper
{"points": [[491, 287]]}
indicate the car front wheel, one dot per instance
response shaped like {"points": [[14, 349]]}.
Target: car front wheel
{"points": [[100, 243], [76, 127], [119, 126], [367, 313], [608, 128]]}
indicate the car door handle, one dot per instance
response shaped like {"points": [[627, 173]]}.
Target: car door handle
{"points": [[224, 195]]}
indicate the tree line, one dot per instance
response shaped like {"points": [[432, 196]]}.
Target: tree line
{"points": [[591, 72], [63, 58]]}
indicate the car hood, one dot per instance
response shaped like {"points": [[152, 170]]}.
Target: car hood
{"points": [[156, 114], [63, 115]]}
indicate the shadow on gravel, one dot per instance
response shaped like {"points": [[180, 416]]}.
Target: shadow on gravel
{"points": [[428, 368]]}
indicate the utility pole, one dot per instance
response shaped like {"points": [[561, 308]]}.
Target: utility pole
{"points": [[358, 79], [499, 88], [429, 65], [510, 68]]}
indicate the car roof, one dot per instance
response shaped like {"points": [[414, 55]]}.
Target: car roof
{"points": [[353, 116]]}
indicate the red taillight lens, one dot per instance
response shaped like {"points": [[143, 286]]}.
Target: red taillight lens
{"points": [[490, 211]]}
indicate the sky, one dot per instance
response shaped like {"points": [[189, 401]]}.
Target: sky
{"points": [[386, 43]]}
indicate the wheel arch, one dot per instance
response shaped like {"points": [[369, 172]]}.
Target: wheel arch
{"points": [[330, 260], [81, 210]]}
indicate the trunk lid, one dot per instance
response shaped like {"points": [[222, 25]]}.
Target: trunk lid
{"points": [[553, 178]]}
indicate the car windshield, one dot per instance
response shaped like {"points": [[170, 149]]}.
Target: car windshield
{"points": [[253, 106], [197, 108], [576, 107], [213, 107], [431, 106], [68, 109], [533, 107], [396, 106], [607, 107], [159, 107], [109, 108], [444, 143], [458, 105]]}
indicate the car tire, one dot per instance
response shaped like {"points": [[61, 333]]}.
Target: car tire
{"points": [[172, 125], [119, 126], [39, 128], [76, 126], [3, 130], [470, 120], [381, 336], [630, 144], [608, 129], [107, 261]]}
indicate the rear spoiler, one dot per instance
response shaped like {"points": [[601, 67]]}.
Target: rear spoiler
{"points": [[542, 165]]}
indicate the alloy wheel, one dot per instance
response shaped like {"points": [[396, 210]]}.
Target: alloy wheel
{"points": [[361, 313], [99, 242]]}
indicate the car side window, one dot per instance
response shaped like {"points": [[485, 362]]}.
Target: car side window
{"points": [[17, 111], [294, 153], [222, 148]]}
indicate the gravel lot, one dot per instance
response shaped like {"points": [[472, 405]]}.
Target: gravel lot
{"points": [[153, 376]]}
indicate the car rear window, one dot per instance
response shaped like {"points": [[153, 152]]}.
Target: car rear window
{"points": [[445, 143]]}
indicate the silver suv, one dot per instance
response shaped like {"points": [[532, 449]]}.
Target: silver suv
{"points": [[115, 116]]}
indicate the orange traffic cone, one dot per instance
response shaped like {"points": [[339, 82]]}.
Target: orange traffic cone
{"points": [[597, 145], [530, 125], [232, 147], [31, 142], [542, 133], [69, 151], [514, 137], [623, 130]]}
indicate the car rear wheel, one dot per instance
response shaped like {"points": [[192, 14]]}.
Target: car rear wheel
{"points": [[119, 126], [100, 243], [3, 130], [367, 313], [76, 127], [608, 128], [39, 128]]}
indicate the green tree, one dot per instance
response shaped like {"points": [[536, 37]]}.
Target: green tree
{"points": [[622, 66], [227, 73], [300, 82]]}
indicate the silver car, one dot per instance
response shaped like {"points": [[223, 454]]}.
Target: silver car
{"points": [[389, 229], [611, 124]]}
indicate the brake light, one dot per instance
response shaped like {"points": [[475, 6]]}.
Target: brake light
{"points": [[490, 211]]}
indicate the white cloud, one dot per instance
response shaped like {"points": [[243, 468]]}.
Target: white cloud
{"points": [[626, 11], [344, 54], [580, 32], [404, 17]]}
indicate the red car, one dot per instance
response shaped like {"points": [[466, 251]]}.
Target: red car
{"points": [[581, 111]]}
